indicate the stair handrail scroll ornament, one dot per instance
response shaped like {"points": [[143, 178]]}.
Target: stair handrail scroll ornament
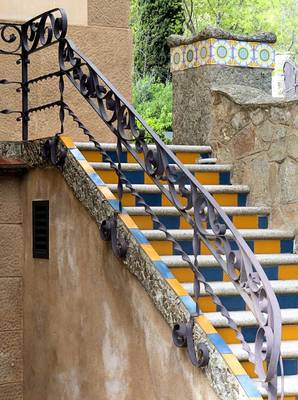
{"points": [[169, 174]]}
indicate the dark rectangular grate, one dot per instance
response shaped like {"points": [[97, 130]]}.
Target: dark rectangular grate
{"points": [[40, 228]]}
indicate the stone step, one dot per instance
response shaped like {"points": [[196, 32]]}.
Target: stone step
{"points": [[225, 195], [210, 261], [228, 289], [261, 241], [186, 154], [205, 174], [207, 161], [242, 217], [289, 349], [246, 318], [290, 386]]}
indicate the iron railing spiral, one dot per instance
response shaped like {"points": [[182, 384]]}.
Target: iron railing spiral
{"points": [[169, 174]]}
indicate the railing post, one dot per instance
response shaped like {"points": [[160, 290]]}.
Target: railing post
{"points": [[25, 93]]}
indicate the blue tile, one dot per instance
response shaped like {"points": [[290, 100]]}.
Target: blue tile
{"points": [[263, 222], [219, 343], [242, 199], [233, 303], [77, 154], [115, 204], [152, 199], [286, 246], [186, 246], [205, 155], [224, 178], [212, 274], [290, 367], [113, 156], [271, 272], [170, 222], [249, 333], [136, 177], [248, 385], [163, 269], [139, 235], [288, 300], [95, 178], [251, 244], [189, 304]]}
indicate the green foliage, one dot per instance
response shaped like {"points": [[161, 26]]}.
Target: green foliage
{"points": [[247, 17], [152, 22], [154, 103]]}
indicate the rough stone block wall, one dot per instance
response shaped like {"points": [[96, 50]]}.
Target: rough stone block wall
{"points": [[259, 136], [11, 289]]}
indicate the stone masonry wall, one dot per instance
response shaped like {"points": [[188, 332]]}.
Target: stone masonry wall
{"points": [[11, 289], [259, 136]]}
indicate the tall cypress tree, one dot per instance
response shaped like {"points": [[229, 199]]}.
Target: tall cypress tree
{"points": [[154, 21]]}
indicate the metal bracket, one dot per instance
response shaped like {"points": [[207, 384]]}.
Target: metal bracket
{"points": [[108, 231], [51, 152], [183, 337]]}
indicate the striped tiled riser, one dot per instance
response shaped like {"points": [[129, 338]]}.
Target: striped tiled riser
{"points": [[275, 254]]}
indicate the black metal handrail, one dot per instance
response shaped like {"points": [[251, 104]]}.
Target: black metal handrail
{"points": [[241, 265]]}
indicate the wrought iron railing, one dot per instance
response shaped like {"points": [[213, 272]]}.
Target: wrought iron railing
{"points": [[169, 174]]}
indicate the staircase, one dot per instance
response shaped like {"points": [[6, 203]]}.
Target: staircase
{"points": [[273, 248]]}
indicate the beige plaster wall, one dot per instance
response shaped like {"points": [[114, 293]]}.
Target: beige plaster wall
{"points": [[91, 331], [11, 289], [105, 39]]}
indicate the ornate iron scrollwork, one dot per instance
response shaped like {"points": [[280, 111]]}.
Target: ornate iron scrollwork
{"points": [[109, 232], [171, 177], [53, 153]]}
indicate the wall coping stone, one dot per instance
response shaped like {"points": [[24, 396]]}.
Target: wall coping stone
{"points": [[250, 96], [217, 33]]}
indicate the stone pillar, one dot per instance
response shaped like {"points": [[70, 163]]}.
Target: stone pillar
{"points": [[212, 58]]}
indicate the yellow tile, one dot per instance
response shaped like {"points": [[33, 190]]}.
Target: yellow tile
{"points": [[234, 365], [205, 324], [229, 335], [92, 156], [67, 141], [178, 288], [148, 180], [288, 272], [245, 221], [166, 202], [106, 192], [163, 247], [128, 199], [131, 159], [188, 158], [128, 221], [206, 304], [290, 398], [87, 167], [204, 249], [108, 176], [183, 274], [289, 332], [266, 246], [184, 224], [149, 250], [249, 368], [143, 221], [208, 178], [226, 199], [226, 277]]}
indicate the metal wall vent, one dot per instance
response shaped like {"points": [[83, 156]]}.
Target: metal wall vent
{"points": [[40, 228]]}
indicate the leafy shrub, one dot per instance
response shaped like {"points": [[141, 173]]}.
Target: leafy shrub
{"points": [[154, 102]]}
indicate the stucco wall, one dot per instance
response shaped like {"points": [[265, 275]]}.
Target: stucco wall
{"points": [[11, 289], [102, 34], [259, 136], [90, 329]]}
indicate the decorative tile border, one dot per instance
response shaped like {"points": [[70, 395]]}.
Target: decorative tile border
{"points": [[222, 52]]}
